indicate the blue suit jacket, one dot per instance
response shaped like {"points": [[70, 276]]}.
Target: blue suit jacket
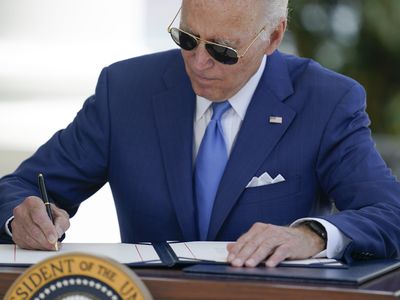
{"points": [[137, 133]]}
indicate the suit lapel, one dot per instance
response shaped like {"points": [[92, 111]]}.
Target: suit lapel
{"points": [[174, 111], [256, 138]]}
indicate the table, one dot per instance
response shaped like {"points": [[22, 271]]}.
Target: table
{"points": [[175, 284]]}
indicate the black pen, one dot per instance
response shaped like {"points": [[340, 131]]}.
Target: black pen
{"points": [[43, 194]]}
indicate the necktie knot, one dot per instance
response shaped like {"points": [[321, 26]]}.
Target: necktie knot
{"points": [[219, 108]]}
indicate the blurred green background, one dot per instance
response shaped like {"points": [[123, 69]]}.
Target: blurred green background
{"points": [[361, 39]]}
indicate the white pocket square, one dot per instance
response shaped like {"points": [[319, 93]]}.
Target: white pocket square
{"points": [[264, 179]]}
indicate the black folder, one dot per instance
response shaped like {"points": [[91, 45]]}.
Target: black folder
{"points": [[168, 258], [356, 273]]}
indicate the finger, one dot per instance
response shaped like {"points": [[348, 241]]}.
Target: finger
{"points": [[264, 250], [235, 248], [280, 254], [229, 246], [61, 221], [41, 219], [250, 247]]}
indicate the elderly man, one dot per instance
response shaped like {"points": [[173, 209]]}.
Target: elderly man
{"points": [[227, 139]]}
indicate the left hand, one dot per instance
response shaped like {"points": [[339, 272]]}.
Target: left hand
{"points": [[274, 243]]}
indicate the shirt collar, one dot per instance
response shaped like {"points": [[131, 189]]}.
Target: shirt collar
{"points": [[240, 101]]}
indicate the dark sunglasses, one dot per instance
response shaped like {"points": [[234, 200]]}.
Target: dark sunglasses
{"points": [[223, 54]]}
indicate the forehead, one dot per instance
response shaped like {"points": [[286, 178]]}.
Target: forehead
{"points": [[220, 16]]}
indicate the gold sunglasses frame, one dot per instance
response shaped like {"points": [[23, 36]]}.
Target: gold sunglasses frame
{"points": [[199, 40]]}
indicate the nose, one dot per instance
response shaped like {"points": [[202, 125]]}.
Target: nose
{"points": [[201, 59]]}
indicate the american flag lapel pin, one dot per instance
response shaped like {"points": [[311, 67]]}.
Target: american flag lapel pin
{"points": [[275, 120]]}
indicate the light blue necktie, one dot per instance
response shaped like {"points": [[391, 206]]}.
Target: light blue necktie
{"points": [[210, 165]]}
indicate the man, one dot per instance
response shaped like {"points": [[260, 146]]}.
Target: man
{"points": [[228, 139]]}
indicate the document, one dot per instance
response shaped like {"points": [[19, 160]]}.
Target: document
{"points": [[201, 251], [145, 254], [217, 252], [123, 253]]}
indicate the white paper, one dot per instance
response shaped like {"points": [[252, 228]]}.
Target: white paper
{"points": [[217, 252], [210, 251], [123, 253]]}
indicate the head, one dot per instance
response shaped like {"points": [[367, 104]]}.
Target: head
{"points": [[234, 23]]}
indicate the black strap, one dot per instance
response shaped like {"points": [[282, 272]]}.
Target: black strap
{"points": [[166, 254]]}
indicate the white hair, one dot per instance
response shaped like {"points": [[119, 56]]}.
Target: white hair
{"points": [[275, 11]]}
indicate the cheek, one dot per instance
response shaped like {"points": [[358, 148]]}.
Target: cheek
{"points": [[235, 74]]}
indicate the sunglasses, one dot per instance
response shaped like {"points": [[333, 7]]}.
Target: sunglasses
{"points": [[223, 54]]}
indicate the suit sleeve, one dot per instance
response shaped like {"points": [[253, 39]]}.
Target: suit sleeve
{"points": [[362, 187], [74, 161]]}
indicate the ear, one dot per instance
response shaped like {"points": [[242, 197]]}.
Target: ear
{"points": [[276, 37]]}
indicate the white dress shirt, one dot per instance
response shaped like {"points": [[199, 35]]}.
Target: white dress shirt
{"points": [[231, 123]]}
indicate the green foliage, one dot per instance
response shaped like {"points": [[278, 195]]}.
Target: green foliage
{"points": [[358, 38]]}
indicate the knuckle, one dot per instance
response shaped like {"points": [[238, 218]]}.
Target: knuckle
{"points": [[247, 251], [17, 211], [259, 256], [252, 244], [31, 200], [68, 224], [234, 249], [36, 217], [283, 251], [265, 244]]}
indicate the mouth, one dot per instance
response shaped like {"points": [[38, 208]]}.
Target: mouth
{"points": [[203, 79]]}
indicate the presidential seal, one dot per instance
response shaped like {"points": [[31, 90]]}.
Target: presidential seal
{"points": [[78, 276]]}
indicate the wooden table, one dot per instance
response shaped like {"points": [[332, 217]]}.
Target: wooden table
{"points": [[175, 284]]}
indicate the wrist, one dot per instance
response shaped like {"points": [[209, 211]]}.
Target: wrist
{"points": [[317, 232]]}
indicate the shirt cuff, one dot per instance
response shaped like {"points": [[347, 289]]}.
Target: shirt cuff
{"points": [[7, 228], [336, 241]]}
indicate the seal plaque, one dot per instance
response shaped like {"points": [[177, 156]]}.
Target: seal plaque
{"points": [[78, 276]]}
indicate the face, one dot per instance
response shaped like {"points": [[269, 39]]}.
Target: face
{"points": [[232, 23]]}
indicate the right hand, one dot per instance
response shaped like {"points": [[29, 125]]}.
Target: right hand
{"points": [[32, 227]]}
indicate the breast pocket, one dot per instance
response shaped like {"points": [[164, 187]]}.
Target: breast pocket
{"points": [[288, 188]]}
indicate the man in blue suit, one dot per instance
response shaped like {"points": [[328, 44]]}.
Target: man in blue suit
{"points": [[287, 167]]}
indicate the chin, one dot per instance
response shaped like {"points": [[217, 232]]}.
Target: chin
{"points": [[208, 93]]}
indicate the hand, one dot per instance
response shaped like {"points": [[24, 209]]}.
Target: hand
{"points": [[33, 229], [274, 243]]}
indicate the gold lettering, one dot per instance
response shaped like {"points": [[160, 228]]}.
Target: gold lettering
{"points": [[128, 290], [35, 279], [85, 266], [27, 286], [107, 273], [69, 264], [20, 292], [45, 273], [59, 268]]}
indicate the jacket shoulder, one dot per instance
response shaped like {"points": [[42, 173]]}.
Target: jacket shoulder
{"points": [[308, 72]]}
